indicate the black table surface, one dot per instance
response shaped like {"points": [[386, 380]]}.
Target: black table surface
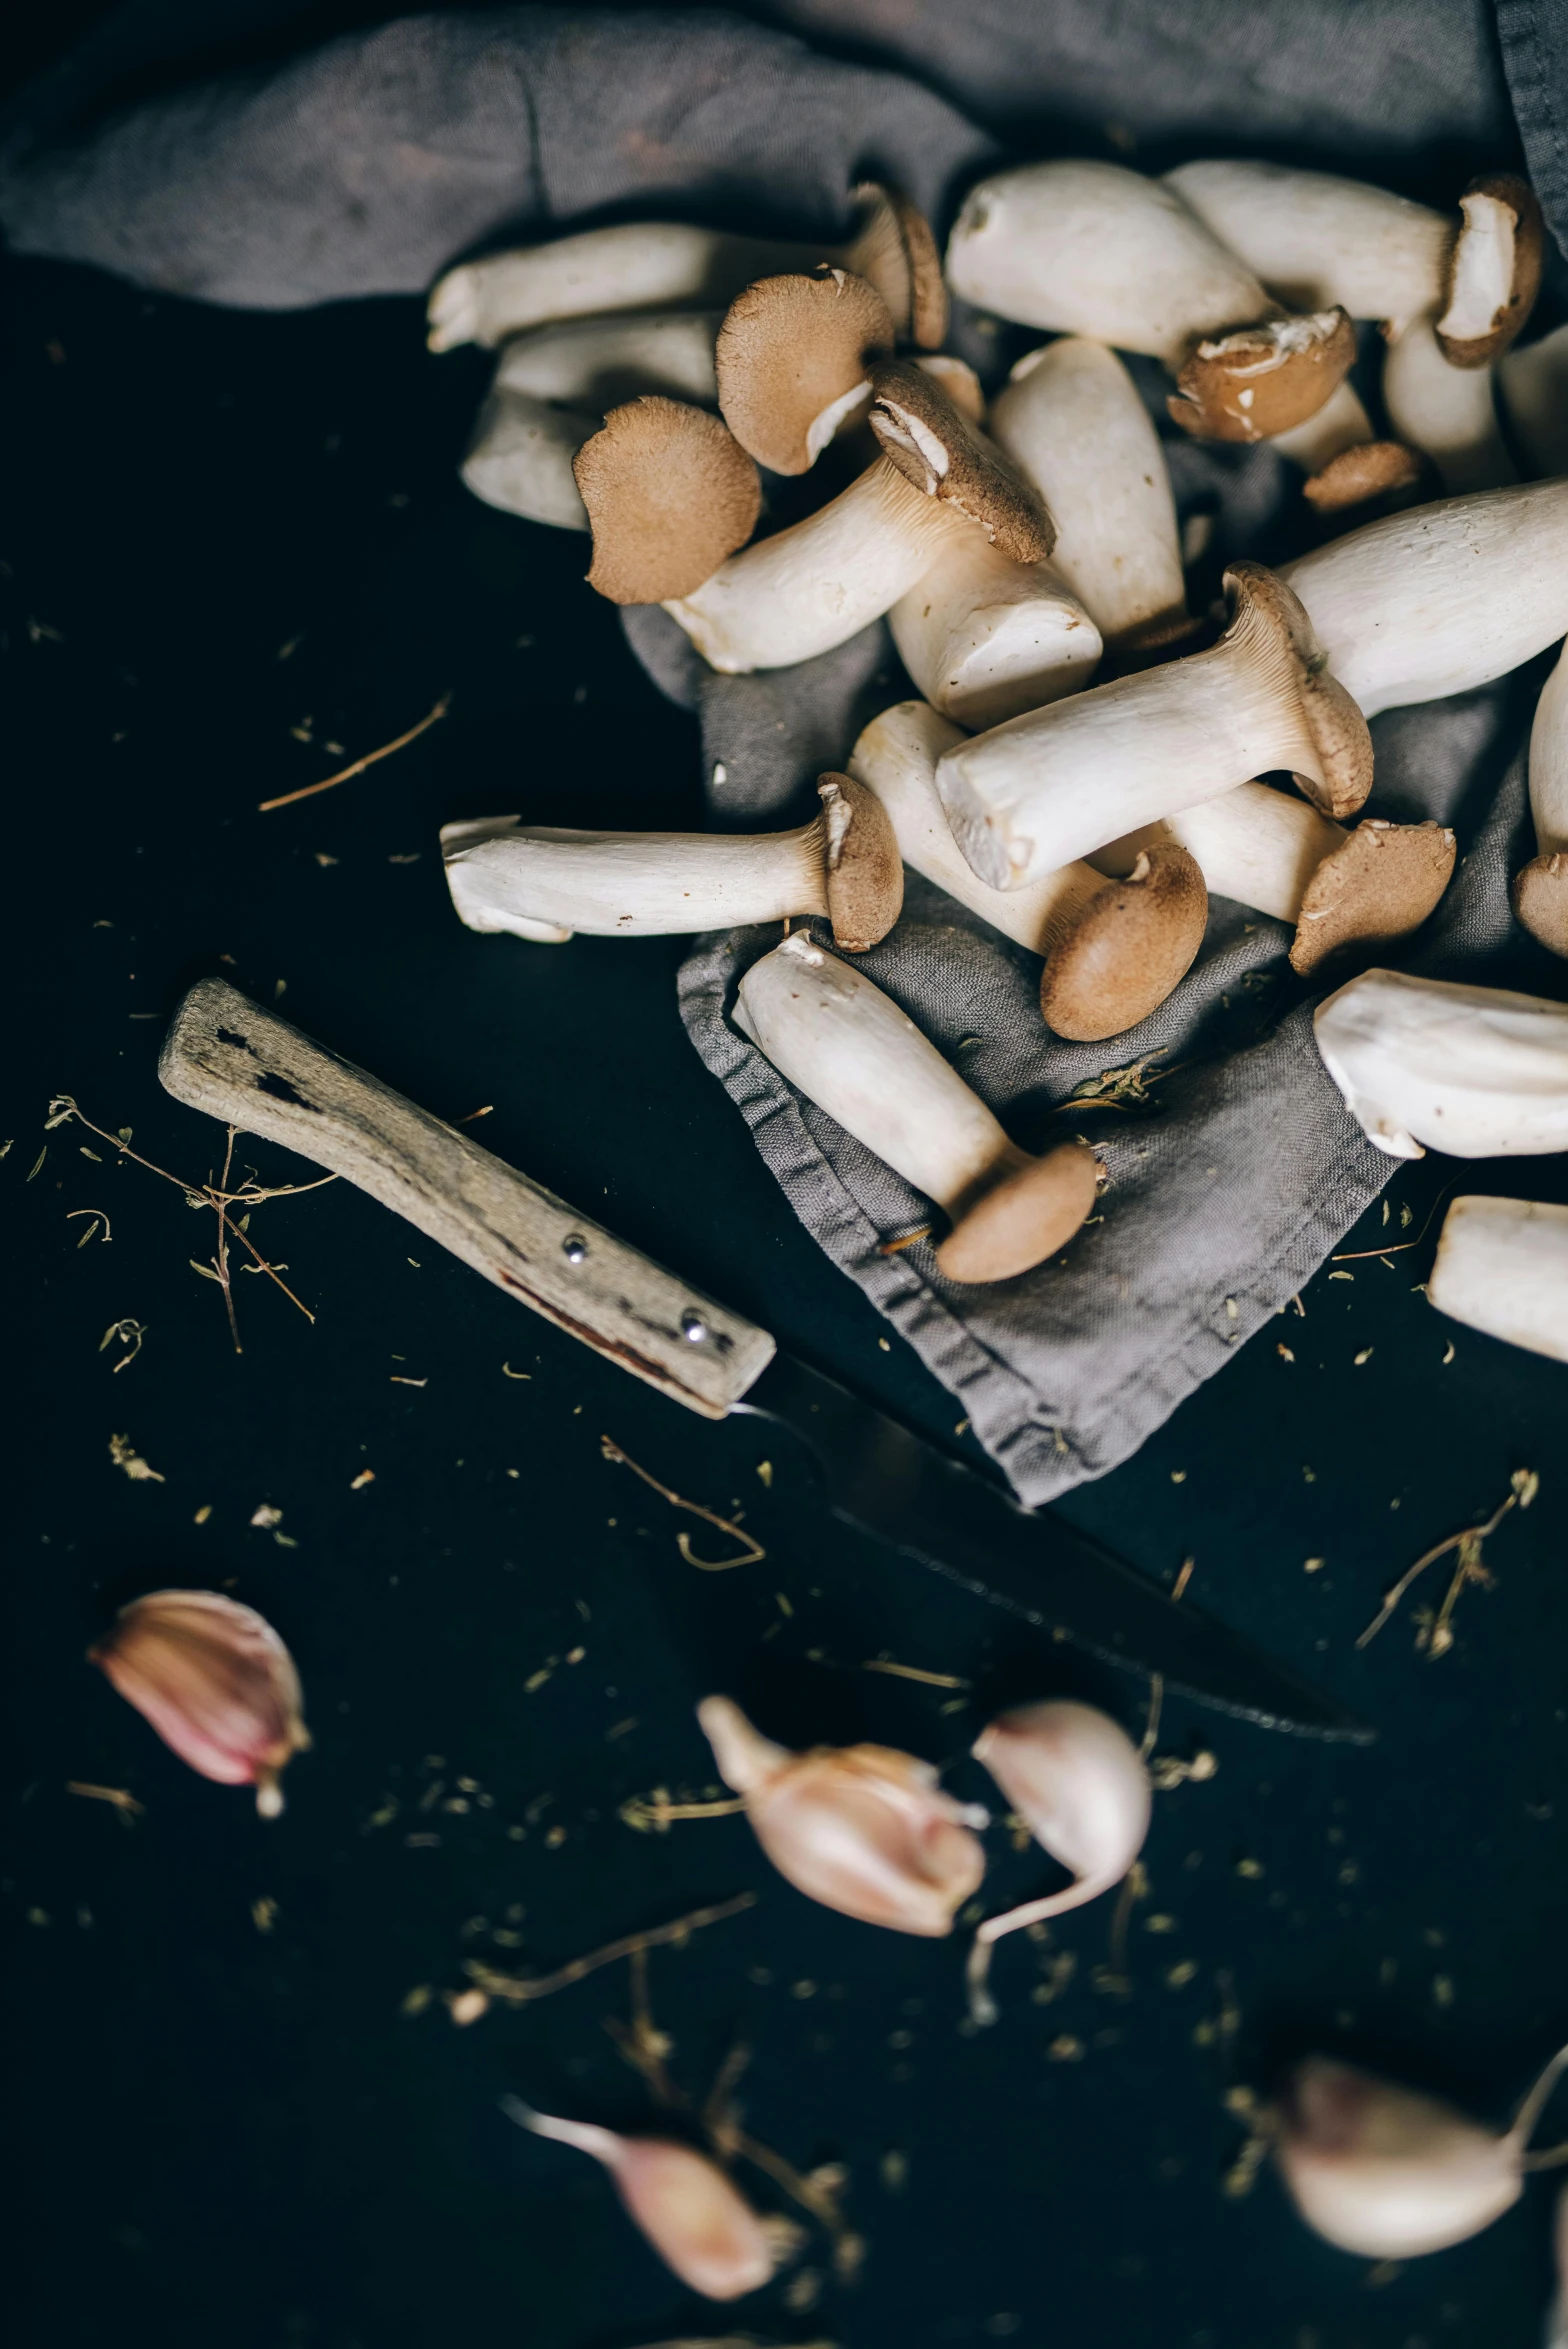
{"points": [[236, 555]]}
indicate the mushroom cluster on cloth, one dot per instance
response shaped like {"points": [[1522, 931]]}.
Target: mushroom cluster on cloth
{"points": [[371, 162]]}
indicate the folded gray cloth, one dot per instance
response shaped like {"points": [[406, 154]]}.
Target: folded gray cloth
{"points": [[370, 163]]}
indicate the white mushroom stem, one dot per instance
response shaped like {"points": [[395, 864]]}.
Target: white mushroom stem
{"points": [[1341, 423], [1541, 889], [543, 883], [815, 585], [1259, 846], [1073, 419], [550, 393], [1534, 386], [1448, 413], [1502, 1267], [1094, 249], [1059, 783], [1319, 241], [1442, 598], [1477, 1072], [849, 1048], [896, 756], [984, 637]]}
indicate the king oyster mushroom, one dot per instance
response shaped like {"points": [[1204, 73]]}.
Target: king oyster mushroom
{"points": [[1541, 889], [1449, 413], [669, 493], [1094, 249], [1477, 1072], [1041, 790], [1113, 949], [1502, 1267], [844, 1044], [1442, 598], [1534, 384], [816, 584], [667, 264], [792, 362], [544, 884], [551, 390]]}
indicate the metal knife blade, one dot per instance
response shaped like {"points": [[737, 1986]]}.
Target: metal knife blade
{"points": [[225, 1055], [917, 1500]]}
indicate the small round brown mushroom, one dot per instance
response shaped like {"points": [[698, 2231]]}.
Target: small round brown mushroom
{"points": [[1128, 947], [1263, 379], [1022, 1218], [792, 359], [1372, 469], [670, 492], [1380, 885]]}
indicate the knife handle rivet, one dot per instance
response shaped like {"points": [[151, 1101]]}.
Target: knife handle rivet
{"points": [[574, 1248], [693, 1328]]}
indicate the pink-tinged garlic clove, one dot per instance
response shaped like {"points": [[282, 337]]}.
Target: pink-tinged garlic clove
{"points": [[215, 1681], [862, 1829], [1078, 1782], [681, 2201]]}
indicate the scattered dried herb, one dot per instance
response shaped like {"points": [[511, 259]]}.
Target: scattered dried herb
{"points": [[752, 1552]]}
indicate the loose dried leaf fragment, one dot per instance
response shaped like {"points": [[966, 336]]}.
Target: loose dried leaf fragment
{"points": [[125, 1455]]}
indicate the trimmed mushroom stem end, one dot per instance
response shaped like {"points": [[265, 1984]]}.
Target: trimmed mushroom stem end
{"points": [[1502, 1267]]}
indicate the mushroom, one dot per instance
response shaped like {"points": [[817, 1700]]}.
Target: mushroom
{"points": [[1541, 889], [1033, 794], [984, 637], [670, 492], [1074, 421], [792, 359], [1094, 249], [1271, 850], [815, 585], [1477, 1072], [1440, 598], [1534, 386], [544, 884], [844, 1044], [1447, 412], [1321, 242], [550, 392], [1502, 1267], [668, 264], [1344, 464], [1113, 949]]}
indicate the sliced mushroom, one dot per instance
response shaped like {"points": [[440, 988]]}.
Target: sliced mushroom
{"points": [[1270, 850], [792, 358], [1073, 419], [667, 264], [1477, 1072], [1043, 789], [1502, 1267], [1541, 889], [544, 884], [1534, 387], [1449, 413], [1113, 949], [1094, 249], [984, 637], [669, 492], [815, 585], [1441, 598], [551, 390], [849, 1048]]}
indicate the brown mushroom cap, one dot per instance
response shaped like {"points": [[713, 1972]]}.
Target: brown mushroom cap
{"points": [[1372, 469], [1263, 379], [1518, 300], [861, 864], [897, 252], [922, 433], [790, 352], [1380, 885], [1271, 618], [1034, 1210], [1132, 943], [670, 492], [1541, 899]]}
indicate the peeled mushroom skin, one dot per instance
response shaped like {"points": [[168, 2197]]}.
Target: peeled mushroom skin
{"points": [[1502, 1267], [1476, 1072]]}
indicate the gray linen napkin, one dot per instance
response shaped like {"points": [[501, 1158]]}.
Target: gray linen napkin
{"points": [[370, 163]]}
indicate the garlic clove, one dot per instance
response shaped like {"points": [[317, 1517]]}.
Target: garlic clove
{"points": [[863, 1829], [1078, 1782], [1383, 2171], [215, 1681], [681, 2201]]}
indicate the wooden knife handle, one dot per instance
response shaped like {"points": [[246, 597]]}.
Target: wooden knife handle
{"points": [[225, 1055]]}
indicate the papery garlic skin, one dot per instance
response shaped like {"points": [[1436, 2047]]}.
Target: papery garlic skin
{"points": [[1384, 2172], [1078, 1782], [681, 2201], [1502, 1267], [215, 1681], [1478, 1072], [863, 1829]]}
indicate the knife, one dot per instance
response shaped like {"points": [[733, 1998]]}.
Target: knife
{"points": [[225, 1055]]}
